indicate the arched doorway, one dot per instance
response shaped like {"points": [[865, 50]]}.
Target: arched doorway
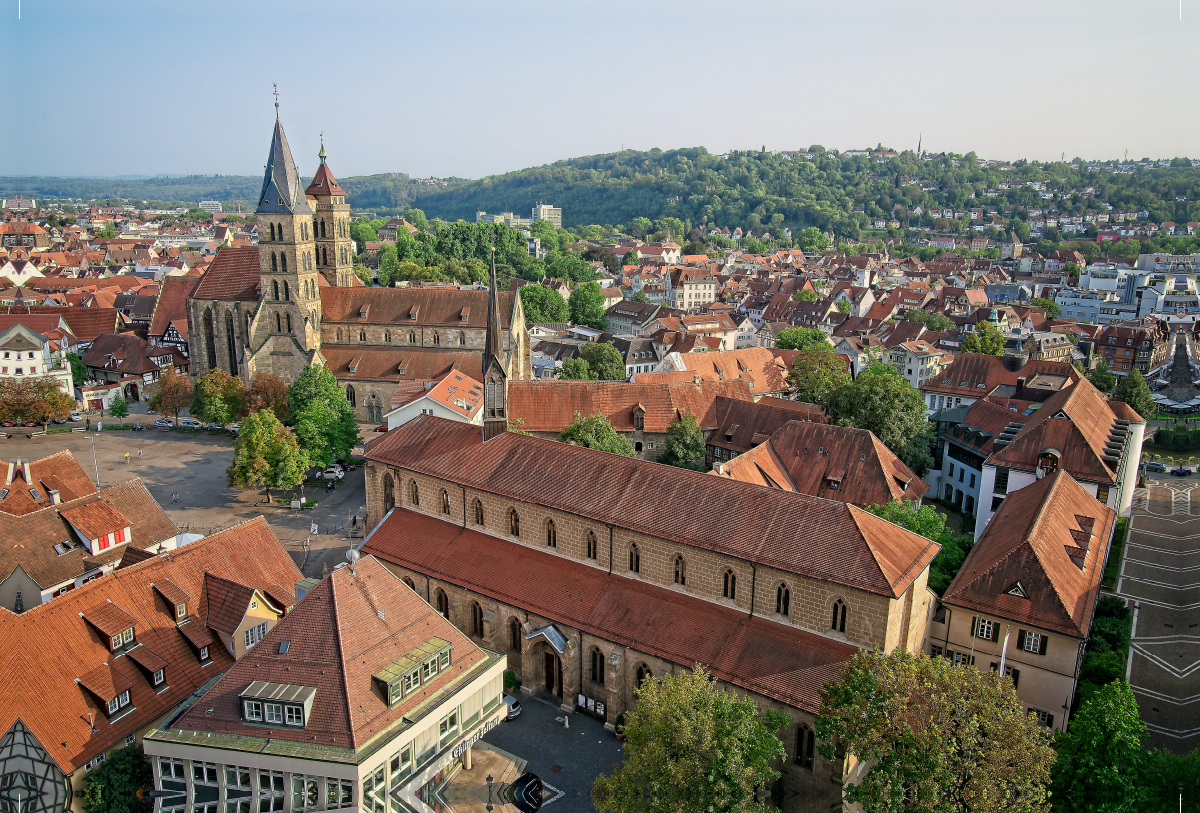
{"points": [[131, 392], [552, 672]]}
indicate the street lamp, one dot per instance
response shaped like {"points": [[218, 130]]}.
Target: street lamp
{"points": [[94, 463]]}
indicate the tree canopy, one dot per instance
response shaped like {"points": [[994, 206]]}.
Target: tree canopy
{"points": [[265, 455], [933, 321], [268, 391], [171, 394], [927, 521], [692, 747], [985, 339], [941, 738], [322, 417], [883, 402], [1134, 391], [1053, 311], [112, 785], [595, 432], [218, 397], [1101, 756], [801, 338], [685, 446], [1102, 378], [586, 306], [817, 373], [542, 304]]}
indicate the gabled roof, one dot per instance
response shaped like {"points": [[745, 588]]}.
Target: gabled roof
{"points": [[833, 462], [792, 532], [224, 603], [233, 274], [758, 655], [975, 374], [740, 425], [95, 519], [395, 307], [1076, 421], [85, 323], [550, 406], [1030, 540], [59, 472], [356, 362], [54, 643], [171, 306], [348, 627], [754, 364]]}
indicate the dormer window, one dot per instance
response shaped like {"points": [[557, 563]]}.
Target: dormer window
{"points": [[122, 638], [180, 611]]}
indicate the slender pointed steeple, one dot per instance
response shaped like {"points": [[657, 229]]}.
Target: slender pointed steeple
{"points": [[495, 379], [282, 192]]}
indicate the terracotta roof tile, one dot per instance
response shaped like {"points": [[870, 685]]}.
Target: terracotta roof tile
{"points": [[550, 406], [147, 659], [105, 682], [1027, 541], [172, 592], [762, 656], [225, 603], [171, 306], [976, 374], [85, 323], [233, 274], [96, 519], [109, 618], [394, 306], [373, 363], [784, 530], [347, 628], [59, 472]]}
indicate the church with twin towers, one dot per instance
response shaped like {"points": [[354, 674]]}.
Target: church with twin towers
{"points": [[294, 300]]}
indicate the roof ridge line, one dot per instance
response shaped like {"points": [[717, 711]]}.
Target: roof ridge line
{"points": [[337, 636], [1051, 494], [854, 510]]}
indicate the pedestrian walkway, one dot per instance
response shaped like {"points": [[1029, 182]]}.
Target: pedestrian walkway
{"points": [[1160, 577]]}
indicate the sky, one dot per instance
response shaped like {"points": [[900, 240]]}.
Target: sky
{"points": [[468, 89]]}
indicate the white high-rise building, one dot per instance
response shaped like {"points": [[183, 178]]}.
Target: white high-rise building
{"points": [[544, 211]]}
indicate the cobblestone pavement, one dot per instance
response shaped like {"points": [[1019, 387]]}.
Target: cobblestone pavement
{"points": [[1160, 577], [192, 466]]}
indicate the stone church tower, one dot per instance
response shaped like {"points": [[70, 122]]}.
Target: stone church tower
{"points": [[331, 227], [284, 330], [495, 379]]}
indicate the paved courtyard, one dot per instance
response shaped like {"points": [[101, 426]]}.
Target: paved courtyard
{"points": [[193, 466], [566, 759], [1160, 576]]}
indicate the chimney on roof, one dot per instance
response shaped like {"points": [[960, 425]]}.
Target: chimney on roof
{"points": [[25, 469], [55, 499], [1020, 384]]}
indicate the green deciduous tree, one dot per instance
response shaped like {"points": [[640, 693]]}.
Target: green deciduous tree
{"points": [[218, 397], [268, 391], [939, 738], [927, 521], [883, 402], [934, 321], [984, 339], [266, 455], [1134, 391], [170, 394], [806, 295], [78, 369], [816, 374], [812, 239], [604, 360], [595, 432], [1102, 755], [575, 369], [801, 338], [417, 218], [685, 444], [322, 417], [844, 306], [112, 787], [42, 400], [1102, 378], [692, 747], [1051, 307], [586, 306], [641, 297], [542, 304], [119, 408]]}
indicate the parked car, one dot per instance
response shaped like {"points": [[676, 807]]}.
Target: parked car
{"points": [[163, 423], [333, 473], [190, 423], [514, 707], [234, 428], [214, 427], [382, 428], [1182, 471], [75, 416], [1154, 465]]}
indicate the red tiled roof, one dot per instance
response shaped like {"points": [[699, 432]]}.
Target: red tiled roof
{"points": [[105, 682], [85, 323], [810, 458], [792, 532], [976, 374], [171, 591], [323, 183], [550, 406], [742, 425], [394, 306], [1029, 541], [54, 643], [233, 274], [96, 519], [109, 618], [59, 472], [346, 629], [171, 307], [762, 656], [374, 363], [224, 603], [755, 364]]}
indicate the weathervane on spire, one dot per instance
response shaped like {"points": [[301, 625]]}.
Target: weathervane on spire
{"points": [[276, 92]]}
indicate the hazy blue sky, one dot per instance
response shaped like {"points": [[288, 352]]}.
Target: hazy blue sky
{"points": [[475, 88]]}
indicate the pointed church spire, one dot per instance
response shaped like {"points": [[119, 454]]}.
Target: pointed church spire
{"points": [[321, 154], [495, 379], [281, 190]]}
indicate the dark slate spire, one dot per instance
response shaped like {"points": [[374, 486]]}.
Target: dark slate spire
{"points": [[493, 347], [282, 192]]}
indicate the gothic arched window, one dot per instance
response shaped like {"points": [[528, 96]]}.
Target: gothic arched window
{"points": [[591, 544], [514, 634], [272, 236], [283, 262], [287, 292], [551, 534], [805, 740], [412, 337], [274, 262], [210, 339], [414, 493], [350, 395], [597, 666], [730, 588], [462, 339], [839, 616], [362, 335], [783, 599], [443, 604], [514, 522], [445, 502], [322, 228], [387, 337], [643, 672], [476, 619], [478, 512], [389, 493], [231, 343], [275, 289], [437, 339], [680, 570], [635, 560], [278, 323]]}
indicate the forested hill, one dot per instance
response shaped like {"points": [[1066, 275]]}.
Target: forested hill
{"points": [[753, 189], [388, 191]]}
